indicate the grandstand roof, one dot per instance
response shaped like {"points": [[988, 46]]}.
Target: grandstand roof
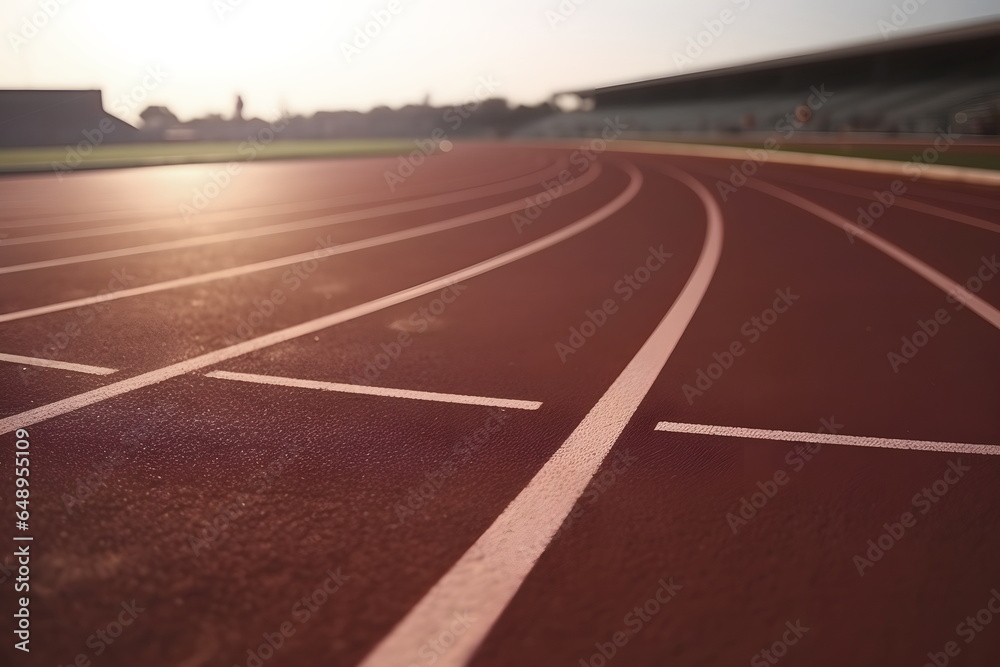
{"points": [[986, 35]]}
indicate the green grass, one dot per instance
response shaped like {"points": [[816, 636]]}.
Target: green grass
{"points": [[954, 156], [141, 155]]}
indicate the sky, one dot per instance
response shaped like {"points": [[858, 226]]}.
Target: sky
{"points": [[300, 56]]}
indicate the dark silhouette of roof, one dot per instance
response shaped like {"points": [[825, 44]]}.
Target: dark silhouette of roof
{"points": [[970, 50], [58, 118]]}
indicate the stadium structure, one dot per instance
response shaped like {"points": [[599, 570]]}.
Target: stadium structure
{"points": [[916, 84]]}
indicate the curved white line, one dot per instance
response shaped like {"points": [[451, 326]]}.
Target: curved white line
{"points": [[72, 403], [238, 214], [320, 253], [281, 228], [925, 271], [900, 200], [939, 172], [485, 579], [279, 207]]}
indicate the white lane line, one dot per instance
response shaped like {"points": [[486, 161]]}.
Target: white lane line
{"points": [[159, 213], [29, 417], [237, 214], [62, 365], [828, 438], [285, 227], [988, 177], [900, 201], [932, 275], [431, 228], [950, 197], [74, 218], [377, 391], [486, 578]]}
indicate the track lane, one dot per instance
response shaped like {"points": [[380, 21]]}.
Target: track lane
{"points": [[656, 509], [188, 241], [342, 537], [545, 197], [158, 191], [821, 364], [63, 406]]}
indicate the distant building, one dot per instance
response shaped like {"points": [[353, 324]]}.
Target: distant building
{"points": [[913, 84], [58, 118], [69, 117]]}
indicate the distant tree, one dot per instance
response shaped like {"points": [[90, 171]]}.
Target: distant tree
{"points": [[158, 117]]}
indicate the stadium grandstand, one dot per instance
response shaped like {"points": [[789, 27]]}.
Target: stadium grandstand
{"points": [[909, 85]]}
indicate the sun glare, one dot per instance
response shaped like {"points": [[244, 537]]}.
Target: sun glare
{"points": [[217, 37]]}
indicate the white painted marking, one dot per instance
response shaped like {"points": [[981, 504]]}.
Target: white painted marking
{"points": [[284, 227], [170, 217], [902, 202], [487, 576], [61, 365], [938, 172], [176, 222], [951, 197], [377, 391], [74, 218], [932, 275], [29, 417], [828, 438], [393, 237]]}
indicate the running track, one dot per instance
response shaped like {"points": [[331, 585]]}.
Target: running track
{"points": [[530, 408]]}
